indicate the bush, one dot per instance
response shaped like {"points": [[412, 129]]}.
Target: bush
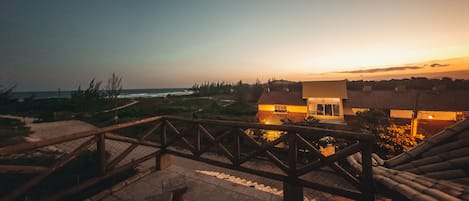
{"points": [[392, 139]]}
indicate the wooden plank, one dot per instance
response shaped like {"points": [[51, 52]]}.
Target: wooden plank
{"points": [[89, 183], [236, 146], [217, 140], [354, 148], [261, 148], [21, 169], [37, 179], [132, 140], [298, 129], [18, 148], [101, 153], [198, 139], [266, 174], [344, 173], [181, 137], [129, 149], [314, 185], [292, 154], [121, 156], [367, 172], [218, 144], [150, 131]]}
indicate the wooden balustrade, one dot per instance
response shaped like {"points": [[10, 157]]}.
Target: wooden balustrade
{"points": [[196, 139]]}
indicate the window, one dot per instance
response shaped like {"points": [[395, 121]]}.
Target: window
{"points": [[280, 109], [328, 109], [320, 109]]}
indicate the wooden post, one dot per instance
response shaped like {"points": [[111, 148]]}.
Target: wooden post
{"points": [[163, 161], [101, 153], [292, 192], [236, 146], [197, 139], [366, 177], [292, 154]]}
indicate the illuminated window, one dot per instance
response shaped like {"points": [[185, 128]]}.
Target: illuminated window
{"points": [[280, 109], [328, 109]]}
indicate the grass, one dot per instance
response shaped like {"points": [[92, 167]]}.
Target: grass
{"points": [[189, 106]]}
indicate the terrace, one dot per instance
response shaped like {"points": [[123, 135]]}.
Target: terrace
{"points": [[227, 153]]}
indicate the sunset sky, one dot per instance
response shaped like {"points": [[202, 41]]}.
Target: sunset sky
{"points": [[47, 45]]}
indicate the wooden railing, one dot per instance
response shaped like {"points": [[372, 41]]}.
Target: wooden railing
{"points": [[194, 138]]}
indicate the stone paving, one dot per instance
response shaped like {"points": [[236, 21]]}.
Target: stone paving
{"points": [[200, 187], [207, 182]]}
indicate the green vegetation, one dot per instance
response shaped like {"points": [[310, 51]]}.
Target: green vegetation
{"points": [[392, 139], [12, 131], [5, 95], [242, 92]]}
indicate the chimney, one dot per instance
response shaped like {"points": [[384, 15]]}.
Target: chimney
{"points": [[367, 88]]}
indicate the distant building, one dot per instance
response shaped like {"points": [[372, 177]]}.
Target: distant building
{"points": [[331, 102]]}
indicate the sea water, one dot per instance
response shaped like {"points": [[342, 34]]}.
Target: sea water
{"points": [[125, 93]]}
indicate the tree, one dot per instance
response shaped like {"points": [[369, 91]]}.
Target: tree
{"points": [[5, 94], [392, 139], [113, 90], [87, 100]]}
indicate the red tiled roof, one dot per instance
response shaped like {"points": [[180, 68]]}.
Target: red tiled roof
{"points": [[381, 99], [282, 97], [444, 100], [438, 101], [405, 100], [436, 169]]}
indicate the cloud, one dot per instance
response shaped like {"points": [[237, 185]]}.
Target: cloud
{"points": [[438, 65], [388, 69]]}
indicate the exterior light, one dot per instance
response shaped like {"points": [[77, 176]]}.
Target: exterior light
{"points": [[430, 116]]}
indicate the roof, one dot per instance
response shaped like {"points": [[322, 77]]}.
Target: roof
{"points": [[409, 100], [444, 100], [282, 97], [325, 89], [436, 169], [381, 99]]}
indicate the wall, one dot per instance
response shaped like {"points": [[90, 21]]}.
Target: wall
{"points": [[407, 114], [437, 115], [266, 114], [312, 104]]}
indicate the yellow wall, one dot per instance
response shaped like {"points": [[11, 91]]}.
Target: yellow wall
{"points": [[290, 108], [402, 114], [437, 115]]}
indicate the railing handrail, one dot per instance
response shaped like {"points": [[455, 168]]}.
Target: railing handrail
{"points": [[300, 129], [21, 147], [294, 135]]}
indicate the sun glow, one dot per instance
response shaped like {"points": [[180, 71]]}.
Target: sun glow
{"points": [[377, 57]]}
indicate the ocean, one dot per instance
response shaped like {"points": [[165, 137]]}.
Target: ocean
{"points": [[125, 93]]}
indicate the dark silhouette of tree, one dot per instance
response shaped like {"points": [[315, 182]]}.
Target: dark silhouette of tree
{"points": [[113, 90], [87, 100], [5, 94]]}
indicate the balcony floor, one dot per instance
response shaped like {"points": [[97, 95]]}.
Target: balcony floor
{"points": [[207, 182]]}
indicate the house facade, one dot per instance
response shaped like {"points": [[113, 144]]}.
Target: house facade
{"points": [[331, 102]]}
